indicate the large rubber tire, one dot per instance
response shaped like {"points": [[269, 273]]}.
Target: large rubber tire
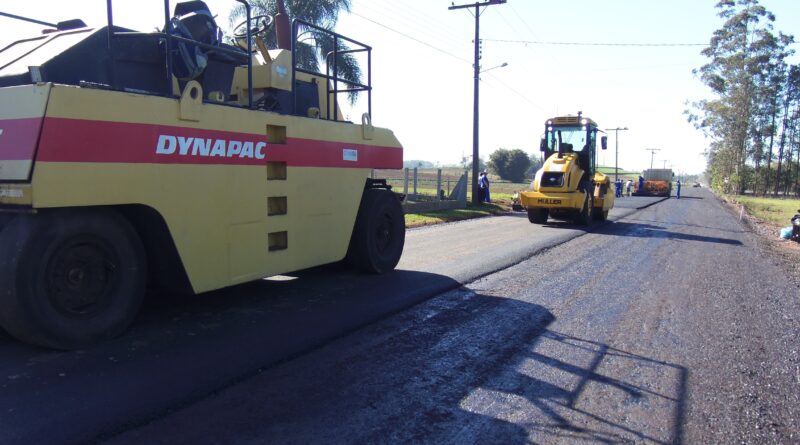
{"points": [[586, 214], [600, 214], [538, 216], [379, 233], [70, 279]]}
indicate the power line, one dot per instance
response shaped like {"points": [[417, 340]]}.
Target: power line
{"points": [[409, 37], [535, 36], [500, 82], [538, 42], [521, 96], [522, 20], [421, 24], [496, 79]]}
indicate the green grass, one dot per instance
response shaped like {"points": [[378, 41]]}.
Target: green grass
{"points": [[609, 171], [774, 210], [442, 216]]}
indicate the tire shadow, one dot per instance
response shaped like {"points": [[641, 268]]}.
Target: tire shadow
{"points": [[181, 348]]}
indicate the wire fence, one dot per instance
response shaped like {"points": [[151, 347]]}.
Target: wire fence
{"points": [[423, 184]]}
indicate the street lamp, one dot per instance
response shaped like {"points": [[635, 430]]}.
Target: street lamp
{"points": [[616, 150], [504, 64]]}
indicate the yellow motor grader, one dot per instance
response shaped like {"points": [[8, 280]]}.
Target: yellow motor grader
{"points": [[568, 186], [174, 160]]}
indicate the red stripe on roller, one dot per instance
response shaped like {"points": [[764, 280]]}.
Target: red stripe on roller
{"points": [[74, 140], [18, 138]]}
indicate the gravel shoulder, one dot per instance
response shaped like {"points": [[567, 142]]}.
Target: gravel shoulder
{"points": [[784, 253]]}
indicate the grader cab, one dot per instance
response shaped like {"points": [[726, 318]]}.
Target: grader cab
{"points": [[568, 186]]}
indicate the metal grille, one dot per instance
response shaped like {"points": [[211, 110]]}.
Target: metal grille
{"points": [[566, 120]]}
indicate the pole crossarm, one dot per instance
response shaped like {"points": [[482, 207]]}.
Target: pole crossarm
{"points": [[652, 155], [477, 5]]}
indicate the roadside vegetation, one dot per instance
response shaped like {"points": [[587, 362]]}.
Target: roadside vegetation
{"points": [[773, 210], [753, 118], [444, 216]]}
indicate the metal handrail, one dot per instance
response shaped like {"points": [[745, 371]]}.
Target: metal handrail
{"points": [[169, 39], [327, 75]]}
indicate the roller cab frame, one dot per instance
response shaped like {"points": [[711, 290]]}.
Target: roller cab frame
{"points": [[568, 186]]}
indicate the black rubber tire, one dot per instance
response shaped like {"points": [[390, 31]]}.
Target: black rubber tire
{"points": [[600, 214], [379, 233], [586, 214], [538, 216], [70, 279]]}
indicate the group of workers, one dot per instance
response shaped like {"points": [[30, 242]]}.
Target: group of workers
{"points": [[618, 187]]}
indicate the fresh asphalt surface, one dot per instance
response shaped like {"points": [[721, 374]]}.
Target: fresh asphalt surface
{"points": [[182, 348], [645, 329]]}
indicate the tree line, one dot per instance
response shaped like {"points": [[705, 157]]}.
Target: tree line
{"points": [[752, 121], [514, 165]]}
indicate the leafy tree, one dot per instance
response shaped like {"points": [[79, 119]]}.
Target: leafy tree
{"points": [[511, 165], [497, 162], [792, 96], [518, 166], [312, 49], [745, 73]]}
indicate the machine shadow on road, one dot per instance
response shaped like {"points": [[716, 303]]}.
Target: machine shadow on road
{"points": [[547, 383], [463, 367], [623, 228], [728, 229], [240, 330], [460, 368]]}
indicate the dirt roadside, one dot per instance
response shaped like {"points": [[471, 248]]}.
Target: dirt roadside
{"points": [[783, 252]]}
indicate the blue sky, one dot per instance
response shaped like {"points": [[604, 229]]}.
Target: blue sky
{"points": [[422, 68]]}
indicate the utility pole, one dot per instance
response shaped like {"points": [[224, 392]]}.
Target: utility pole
{"points": [[652, 155], [665, 164], [616, 150], [476, 70]]}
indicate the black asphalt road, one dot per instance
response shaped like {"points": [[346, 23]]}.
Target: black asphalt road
{"points": [[668, 326], [184, 348]]}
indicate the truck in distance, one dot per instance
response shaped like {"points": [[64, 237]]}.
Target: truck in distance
{"points": [[655, 182]]}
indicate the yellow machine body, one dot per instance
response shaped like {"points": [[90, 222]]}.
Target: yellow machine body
{"points": [[567, 183], [244, 193], [173, 160]]}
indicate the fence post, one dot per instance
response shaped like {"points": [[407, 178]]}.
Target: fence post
{"points": [[405, 182], [415, 183], [439, 185]]}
